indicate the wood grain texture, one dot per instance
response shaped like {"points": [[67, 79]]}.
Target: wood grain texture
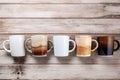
{"points": [[59, 11], [8, 72], [61, 17], [70, 60], [88, 26], [70, 72], [60, 1], [73, 60], [60, 72]]}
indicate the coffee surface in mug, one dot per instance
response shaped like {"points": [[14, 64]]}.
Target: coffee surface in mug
{"points": [[39, 45], [83, 45]]}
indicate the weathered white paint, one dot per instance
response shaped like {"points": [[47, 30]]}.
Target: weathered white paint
{"points": [[59, 11], [95, 26]]}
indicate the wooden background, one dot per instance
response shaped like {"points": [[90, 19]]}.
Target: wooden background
{"points": [[66, 17]]}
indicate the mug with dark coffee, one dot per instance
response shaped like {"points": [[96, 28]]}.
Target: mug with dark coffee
{"points": [[39, 45], [106, 45]]}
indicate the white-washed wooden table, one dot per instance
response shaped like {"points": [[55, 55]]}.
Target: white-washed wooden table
{"points": [[66, 17]]}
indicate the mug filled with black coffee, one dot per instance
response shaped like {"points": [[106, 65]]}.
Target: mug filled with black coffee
{"points": [[106, 45]]}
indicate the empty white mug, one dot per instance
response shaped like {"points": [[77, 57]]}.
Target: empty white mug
{"points": [[16, 45], [61, 45]]}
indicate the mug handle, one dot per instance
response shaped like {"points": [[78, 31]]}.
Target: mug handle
{"points": [[73, 44], [26, 45], [4, 43], [93, 40], [51, 45], [118, 44]]}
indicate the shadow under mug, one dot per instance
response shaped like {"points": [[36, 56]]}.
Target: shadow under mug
{"points": [[38, 45], [84, 45], [17, 48], [106, 45]]}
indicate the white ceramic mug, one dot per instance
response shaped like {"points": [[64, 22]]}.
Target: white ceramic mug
{"points": [[16, 45], [61, 45]]}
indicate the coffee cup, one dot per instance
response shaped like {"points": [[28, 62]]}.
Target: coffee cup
{"points": [[106, 45], [61, 45], [38, 45], [16, 45], [84, 45]]}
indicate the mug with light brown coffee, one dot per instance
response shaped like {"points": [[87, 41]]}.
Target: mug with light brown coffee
{"points": [[106, 45], [84, 45], [39, 45]]}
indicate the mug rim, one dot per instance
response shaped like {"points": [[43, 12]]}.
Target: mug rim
{"points": [[39, 35], [61, 36], [105, 55], [83, 55], [105, 36], [82, 36], [16, 35], [39, 55]]}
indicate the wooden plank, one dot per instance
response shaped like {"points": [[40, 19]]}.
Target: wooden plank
{"points": [[60, 1], [84, 72], [70, 72], [89, 26], [70, 60], [59, 11]]}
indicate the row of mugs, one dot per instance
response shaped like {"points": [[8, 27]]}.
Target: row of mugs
{"points": [[39, 45]]}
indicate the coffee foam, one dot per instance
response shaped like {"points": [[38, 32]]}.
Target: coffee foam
{"points": [[83, 45], [83, 41], [39, 40]]}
